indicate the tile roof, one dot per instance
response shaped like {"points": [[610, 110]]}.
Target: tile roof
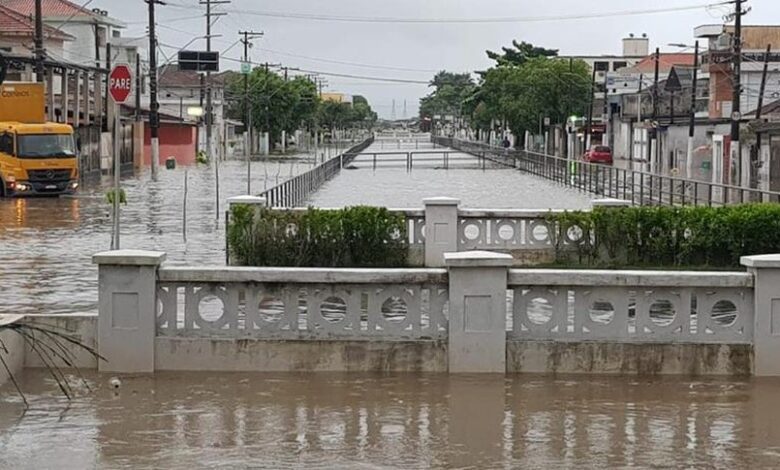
{"points": [[665, 62], [57, 9], [14, 24], [171, 76]]}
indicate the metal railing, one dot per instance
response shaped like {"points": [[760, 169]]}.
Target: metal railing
{"points": [[640, 187], [297, 189]]}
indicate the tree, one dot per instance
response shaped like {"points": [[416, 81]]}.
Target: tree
{"points": [[521, 95], [276, 105], [450, 92], [520, 53]]}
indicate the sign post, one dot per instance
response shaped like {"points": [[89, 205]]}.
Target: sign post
{"points": [[120, 85]]}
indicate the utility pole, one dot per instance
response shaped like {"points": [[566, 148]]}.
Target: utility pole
{"points": [[248, 35], [209, 103], [755, 156], [736, 116], [692, 122], [40, 52], [639, 154], [138, 87], [654, 135], [154, 106], [590, 109]]}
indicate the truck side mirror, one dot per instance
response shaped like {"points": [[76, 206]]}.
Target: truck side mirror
{"points": [[6, 144]]}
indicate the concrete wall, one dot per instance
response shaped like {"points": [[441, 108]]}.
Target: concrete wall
{"points": [[204, 354], [14, 358], [551, 357]]}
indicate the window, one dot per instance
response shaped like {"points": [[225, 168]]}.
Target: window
{"points": [[7, 144], [619, 65], [601, 66], [46, 146]]}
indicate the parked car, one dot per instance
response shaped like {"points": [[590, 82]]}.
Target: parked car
{"points": [[598, 154]]}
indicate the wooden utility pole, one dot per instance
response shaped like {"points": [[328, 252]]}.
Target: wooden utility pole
{"points": [[209, 103], [154, 106], [590, 109], [248, 36], [653, 136], [755, 155], [40, 52], [692, 118], [736, 116]]}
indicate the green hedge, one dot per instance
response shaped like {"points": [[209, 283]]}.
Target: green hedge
{"points": [[667, 236], [350, 237]]}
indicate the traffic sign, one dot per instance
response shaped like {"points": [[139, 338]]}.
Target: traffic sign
{"points": [[120, 83], [246, 68]]}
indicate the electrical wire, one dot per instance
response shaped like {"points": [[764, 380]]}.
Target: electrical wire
{"points": [[538, 19]]}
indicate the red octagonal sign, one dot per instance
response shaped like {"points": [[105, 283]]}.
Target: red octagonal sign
{"points": [[120, 83]]}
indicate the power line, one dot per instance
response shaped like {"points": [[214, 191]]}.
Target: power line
{"points": [[356, 19], [354, 64]]}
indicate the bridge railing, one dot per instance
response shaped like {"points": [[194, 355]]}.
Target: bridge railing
{"points": [[639, 187], [295, 304], [632, 306], [296, 190], [478, 314]]}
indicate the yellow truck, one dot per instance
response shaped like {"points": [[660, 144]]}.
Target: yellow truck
{"points": [[36, 157]]}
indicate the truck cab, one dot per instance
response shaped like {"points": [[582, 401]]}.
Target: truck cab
{"points": [[37, 159]]}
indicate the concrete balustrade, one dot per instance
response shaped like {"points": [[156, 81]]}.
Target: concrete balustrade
{"points": [[441, 229], [766, 298], [127, 302]]}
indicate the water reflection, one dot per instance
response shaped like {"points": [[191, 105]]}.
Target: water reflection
{"points": [[358, 420]]}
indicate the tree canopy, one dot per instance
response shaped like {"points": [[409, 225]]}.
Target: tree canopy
{"points": [[526, 84], [278, 105], [520, 53], [450, 91]]}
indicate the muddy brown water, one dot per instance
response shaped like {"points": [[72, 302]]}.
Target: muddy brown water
{"points": [[391, 421]]}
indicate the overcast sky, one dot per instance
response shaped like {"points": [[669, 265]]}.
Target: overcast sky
{"points": [[422, 48]]}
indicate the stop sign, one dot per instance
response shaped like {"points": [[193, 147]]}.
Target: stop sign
{"points": [[120, 83]]}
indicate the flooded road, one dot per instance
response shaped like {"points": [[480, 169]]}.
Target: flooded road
{"points": [[46, 245], [326, 421], [388, 183]]}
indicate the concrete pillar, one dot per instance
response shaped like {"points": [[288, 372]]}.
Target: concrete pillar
{"points": [[127, 309], [65, 95], [441, 229], [477, 332], [766, 308], [77, 98], [50, 94]]}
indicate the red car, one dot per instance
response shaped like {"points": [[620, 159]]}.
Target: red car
{"points": [[598, 154]]}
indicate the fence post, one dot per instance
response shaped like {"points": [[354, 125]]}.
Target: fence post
{"points": [[441, 229], [766, 311], [127, 309], [477, 331]]}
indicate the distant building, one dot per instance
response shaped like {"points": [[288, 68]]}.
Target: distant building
{"points": [[336, 97], [717, 62], [16, 35]]}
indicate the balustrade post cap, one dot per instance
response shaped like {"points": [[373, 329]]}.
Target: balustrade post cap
{"points": [[129, 258], [441, 201], [477, 259], [251, 200], [761, 261], [609, 202]]}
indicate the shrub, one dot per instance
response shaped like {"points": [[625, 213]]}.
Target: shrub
{"points": [[668, 236], [350, 237]]}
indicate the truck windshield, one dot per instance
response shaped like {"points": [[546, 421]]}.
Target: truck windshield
{"points": [[45, 146]]}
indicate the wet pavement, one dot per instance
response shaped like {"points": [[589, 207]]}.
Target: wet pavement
{"points": [[391, 421], [46, 244]]}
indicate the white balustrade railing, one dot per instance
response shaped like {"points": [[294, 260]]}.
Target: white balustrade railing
{"points": [[505, 230], [302, 303], [631, 306]]}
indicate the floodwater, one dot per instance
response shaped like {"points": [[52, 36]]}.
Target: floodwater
{"points": [[357, 421], [46, 244], [389, 183]]}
